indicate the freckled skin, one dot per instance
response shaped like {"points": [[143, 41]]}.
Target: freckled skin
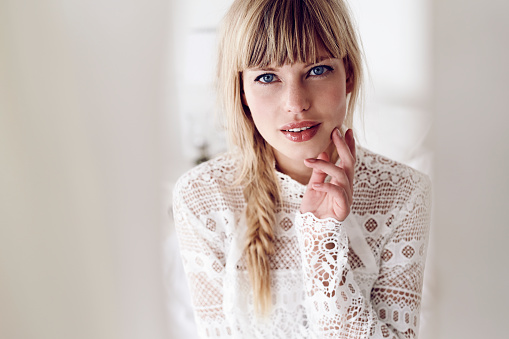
{"points": [[296, 93]]}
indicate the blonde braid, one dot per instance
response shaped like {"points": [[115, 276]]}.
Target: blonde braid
{"points": [[262, 195]]}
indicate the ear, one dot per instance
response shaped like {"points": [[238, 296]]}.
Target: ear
{"points": [[349, 75], [349, 82]]}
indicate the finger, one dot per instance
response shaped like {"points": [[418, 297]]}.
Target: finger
{"points": [[343, 182], [339, 195], [350, 141], [318, 176], [347, 159], [337, 174]]}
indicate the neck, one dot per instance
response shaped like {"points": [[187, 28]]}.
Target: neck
{"points": [[297, 171], [296, 168]]}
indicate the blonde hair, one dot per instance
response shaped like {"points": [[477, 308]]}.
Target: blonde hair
{"points": [[258, 33]]}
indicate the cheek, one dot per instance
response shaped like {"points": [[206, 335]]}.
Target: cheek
{"points": [[260, 104], [258, 109], [262, 122], [334, 101]]}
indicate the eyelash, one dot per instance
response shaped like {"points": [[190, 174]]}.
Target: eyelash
{"points": [[326, 72], [328, 69]]}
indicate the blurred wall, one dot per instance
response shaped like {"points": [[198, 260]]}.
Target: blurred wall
{"points": [[82, 95], [396, 116], [471, 146]]}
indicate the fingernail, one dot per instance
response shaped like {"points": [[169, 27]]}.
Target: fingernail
{"points": [[311, 160], [339, 133], [317, 185]]}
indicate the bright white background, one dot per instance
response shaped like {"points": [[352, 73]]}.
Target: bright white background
{"points": [[91, 122]]}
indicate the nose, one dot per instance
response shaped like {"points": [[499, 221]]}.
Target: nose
{"points": [[297, 98]]}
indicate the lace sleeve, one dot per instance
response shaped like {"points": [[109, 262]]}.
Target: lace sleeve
{"points": [[203, 258], [336, 306]]}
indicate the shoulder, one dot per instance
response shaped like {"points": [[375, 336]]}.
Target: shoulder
{"points": [[387, 184], [379, 168], [219, 170], [208, 184]]}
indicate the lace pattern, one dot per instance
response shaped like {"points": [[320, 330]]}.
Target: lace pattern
{"points": [[357, 279]]}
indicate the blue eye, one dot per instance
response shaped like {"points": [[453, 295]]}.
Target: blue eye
{"points": [[265, 78], [318, 70]]}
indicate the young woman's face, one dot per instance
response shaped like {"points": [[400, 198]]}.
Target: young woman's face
{"points": [[296, 107]]}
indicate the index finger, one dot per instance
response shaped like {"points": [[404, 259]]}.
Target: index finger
{"points": [[350, 141], [346, 151]]}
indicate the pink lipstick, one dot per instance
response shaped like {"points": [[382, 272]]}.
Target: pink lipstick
{"points": [[300, 131]]}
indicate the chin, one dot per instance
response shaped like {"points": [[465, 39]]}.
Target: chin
{"points": [[306, 153], [300, 151], [316, 149]]}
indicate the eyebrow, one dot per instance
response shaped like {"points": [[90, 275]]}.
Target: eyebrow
{"points": [[264, 69], [320, 59], [271, 69]]}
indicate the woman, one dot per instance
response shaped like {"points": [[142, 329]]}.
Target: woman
{"points": [[297, 232]]}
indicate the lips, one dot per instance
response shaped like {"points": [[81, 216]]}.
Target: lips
{"points": [[300, 131]]}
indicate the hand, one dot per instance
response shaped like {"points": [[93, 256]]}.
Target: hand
{"points": [[332, 199]]}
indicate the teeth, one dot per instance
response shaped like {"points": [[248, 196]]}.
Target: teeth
{"points": [[298, 129]]}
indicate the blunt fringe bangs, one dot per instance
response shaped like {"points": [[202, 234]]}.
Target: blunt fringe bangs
{"points": [[289, 31]]}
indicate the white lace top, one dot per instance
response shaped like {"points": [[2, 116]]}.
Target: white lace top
{"points": [[367, 285]]}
